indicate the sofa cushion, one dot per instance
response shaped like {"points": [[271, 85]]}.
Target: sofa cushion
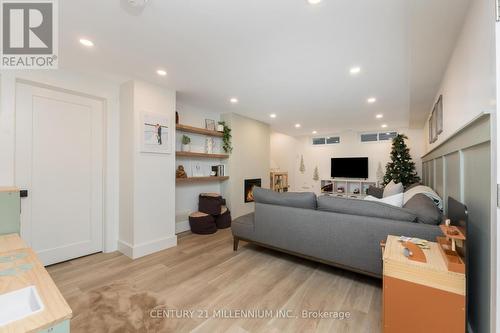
{"points": [[290, 199], [425, 209], [395, 200], [377, 192], [392, 188], [365, 208]]}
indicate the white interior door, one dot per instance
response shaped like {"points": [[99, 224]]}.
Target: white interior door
{"points": [[59, 160]]}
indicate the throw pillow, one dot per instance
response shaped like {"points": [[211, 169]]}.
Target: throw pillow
{"points": [[392, 188], [376, 192], [393, 200], [425, 209]]}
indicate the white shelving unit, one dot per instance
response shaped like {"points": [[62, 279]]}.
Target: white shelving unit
{"points": [[346, 188]]}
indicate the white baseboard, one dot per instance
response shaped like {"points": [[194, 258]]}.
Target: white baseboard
{"points": [[182, 226], [125, 248], [143, 249]]}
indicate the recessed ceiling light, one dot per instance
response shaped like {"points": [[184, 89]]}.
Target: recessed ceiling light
{"points": [[86, 42], [234, 100], [297, 125], [161, 72], [384, 126], [379, 116], [355, 70], [315, 132], [371, 100], [272, 115], [313, 2]]}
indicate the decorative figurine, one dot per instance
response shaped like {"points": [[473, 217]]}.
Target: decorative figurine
{"points": [[180, 173]]}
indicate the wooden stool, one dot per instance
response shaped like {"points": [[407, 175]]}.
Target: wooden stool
{"points": [[202, 224], [210, 203], [223, 220]]}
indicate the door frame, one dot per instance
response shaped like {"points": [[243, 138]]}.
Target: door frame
{"points": [[104, 156]]}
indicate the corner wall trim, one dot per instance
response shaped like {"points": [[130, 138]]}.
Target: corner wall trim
{"points": [[143, 249]]}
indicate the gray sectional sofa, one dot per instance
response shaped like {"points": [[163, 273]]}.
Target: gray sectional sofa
{"points": [[336, 231]]}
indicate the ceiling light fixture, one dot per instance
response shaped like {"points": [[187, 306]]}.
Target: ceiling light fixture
{"points": [[371, 100], [272, 115], [379, 116], [355, 70], [297, 125], [161, 72], [384, 126], [234, 100], [86, 42], [315, 132], [313, 2]]}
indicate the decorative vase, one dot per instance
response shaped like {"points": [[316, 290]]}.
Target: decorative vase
{"points": [[186, 147], [209, 145], [220, 128]]}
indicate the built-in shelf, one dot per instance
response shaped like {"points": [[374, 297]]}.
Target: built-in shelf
{"points": [[202, 155], [197, 130], [200, 179]]}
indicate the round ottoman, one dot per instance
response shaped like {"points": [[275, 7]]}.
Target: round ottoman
{"points": [[210, 203], [223, 220], [202, 224]]}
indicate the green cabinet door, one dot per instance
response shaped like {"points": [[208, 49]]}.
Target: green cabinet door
{"points": [[62, 327], [10, 210]]}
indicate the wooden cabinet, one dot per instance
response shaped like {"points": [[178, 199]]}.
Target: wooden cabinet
{"points": [[421, 297], [10, 210]]}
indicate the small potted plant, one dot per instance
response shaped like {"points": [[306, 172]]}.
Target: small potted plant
{"points": [[226, 138], [186, 143]]}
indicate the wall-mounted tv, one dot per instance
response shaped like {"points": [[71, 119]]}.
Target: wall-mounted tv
{"points": [[350, 167]]}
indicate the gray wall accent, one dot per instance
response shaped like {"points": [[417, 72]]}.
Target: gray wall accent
{"points": [[477, 180], [452, 176], [461, 167]]}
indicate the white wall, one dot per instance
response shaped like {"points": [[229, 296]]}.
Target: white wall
{"points": [[152, 178], [186, 195], [286, 152], [249, 160], [468, 86], [96, 86]]}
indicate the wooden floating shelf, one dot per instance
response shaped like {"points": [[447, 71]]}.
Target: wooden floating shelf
{"points": [[200, 179], [197, 130], [202, 155]]}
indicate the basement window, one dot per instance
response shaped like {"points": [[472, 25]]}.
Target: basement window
{"points": [[376, 137], [387, 136], [328, 140]]}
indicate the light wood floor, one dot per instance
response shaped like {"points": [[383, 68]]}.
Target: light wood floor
{"points": [[203, 273]]}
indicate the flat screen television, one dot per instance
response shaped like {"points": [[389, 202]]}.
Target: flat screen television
{"points": [[350, 167]]}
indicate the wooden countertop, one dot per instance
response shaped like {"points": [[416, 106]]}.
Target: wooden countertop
{"points": [[55, 309], [8, 189], [434, 273]]}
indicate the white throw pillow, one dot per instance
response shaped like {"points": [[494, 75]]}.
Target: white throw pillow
{"points": [[393, 200], [392, 188]]}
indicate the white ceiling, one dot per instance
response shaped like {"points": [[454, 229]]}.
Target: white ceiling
{"points": [[277, 56]]}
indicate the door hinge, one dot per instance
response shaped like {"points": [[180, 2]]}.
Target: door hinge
{"points": [[498, 195]]}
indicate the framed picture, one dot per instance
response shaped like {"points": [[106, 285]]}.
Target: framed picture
{"points": [[155, 135], [439, 115], [433, 126], [210, 124]]}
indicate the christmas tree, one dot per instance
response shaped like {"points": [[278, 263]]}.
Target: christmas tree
{"points": [[401, 169]]}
